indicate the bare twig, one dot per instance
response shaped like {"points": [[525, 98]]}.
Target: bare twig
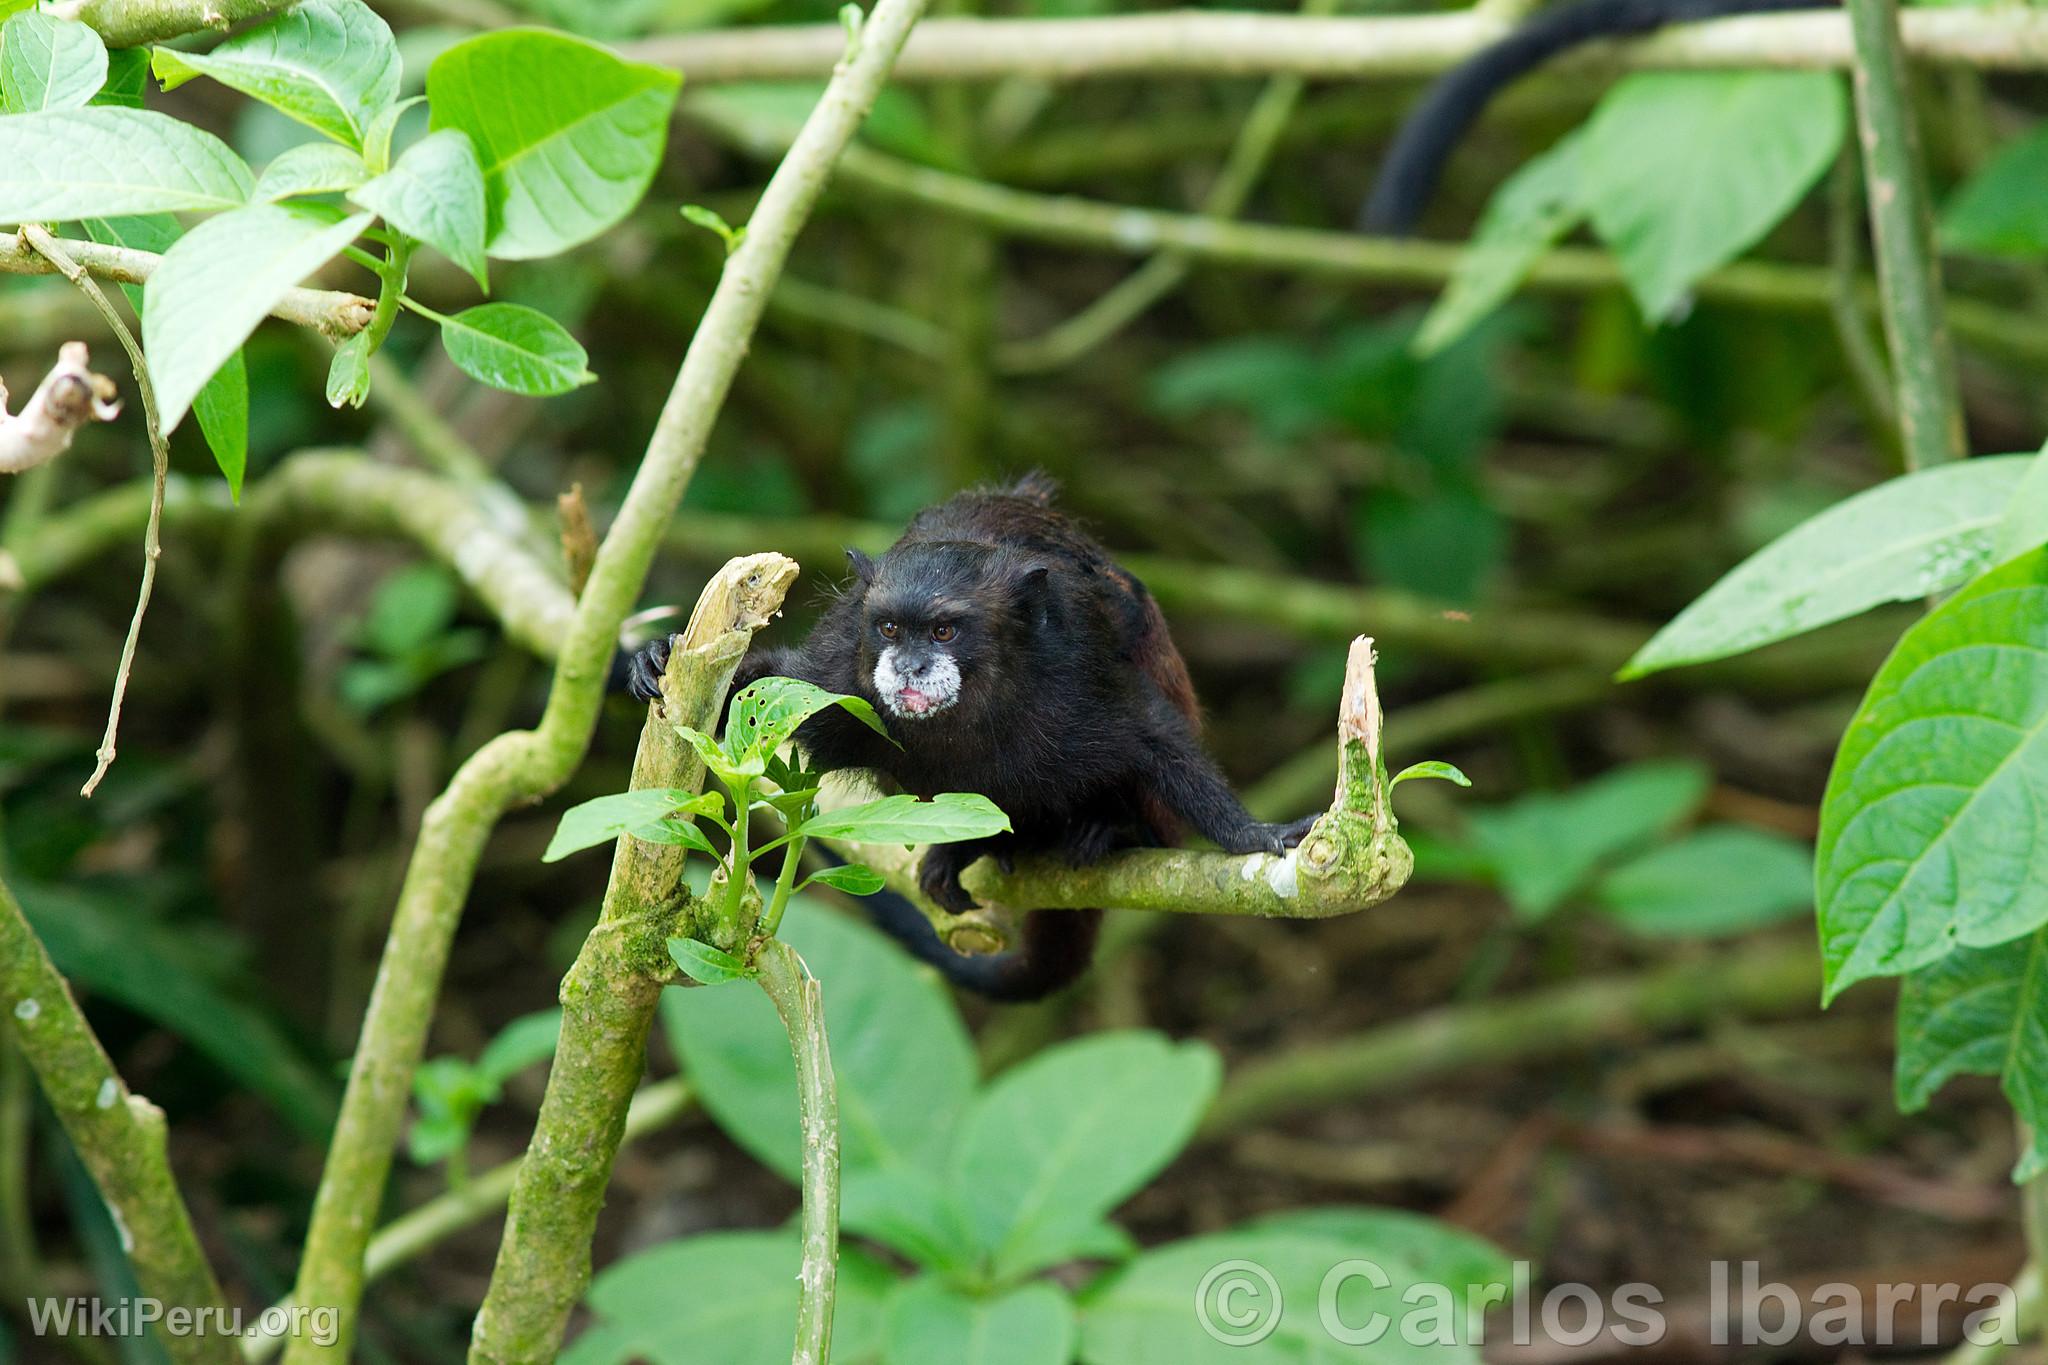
{"points": [[135, 23], [160, 462], [69, 396]]}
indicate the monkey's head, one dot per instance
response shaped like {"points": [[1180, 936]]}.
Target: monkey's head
{"points": [[938, 619]]}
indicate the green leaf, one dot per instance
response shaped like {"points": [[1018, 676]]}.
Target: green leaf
{"points": [[568, 134], [1720, 880], [219, 281], [717, 760], [1527, 216], [946, 818], [98, 162], [768, 712], [1903, 540], [904, 1064], [852, 878], [222, 407], [2024, 526], [48, 63], [1420, 1248], [929, 1321], [1981, 1012], [384, 127], [127, 78], [2002, 210], [348, 373], [1431, 767], [436, 193], [1255, 1297], [637, 813], [707, 965], [525, 1041], [310, 168], [1545, 846], [1059, 1141], [1683, 171], [1926, 829], [740, 1304], [330, 64], [510, 346]]}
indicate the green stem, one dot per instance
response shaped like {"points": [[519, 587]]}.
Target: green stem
{"points": [[792, 858], [118, 1135], [1908, 271], [740, 862], [521, 766], [798, 1000]]}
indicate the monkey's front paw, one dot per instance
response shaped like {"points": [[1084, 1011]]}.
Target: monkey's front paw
{"points": [[644, 670], [1295, 831], [1260, 838], [938, 876]]}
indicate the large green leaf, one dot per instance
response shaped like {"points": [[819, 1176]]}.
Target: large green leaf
{"points": [[1720, 880], [1526, 216], [1931, 829], [903, 1061], [1254, 1296], [1981, 1012], [2002, 210], [725, 1299], [436, 193], [932, 1322], [48, 63], [1683, 171], [219, 281], [222, 407], [644, 813], [569, 135], [2024, 526], [311, 168], [512, 347], [1545, 846], [1421, 1248], [330, 64], [768, 711], [95, 162], [1907, 538], [1059, 1141], [946, 818]]}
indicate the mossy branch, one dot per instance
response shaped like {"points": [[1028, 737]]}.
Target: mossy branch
{"points": [[523, 765], [133, 23], [610, 994], [118, 1135]]}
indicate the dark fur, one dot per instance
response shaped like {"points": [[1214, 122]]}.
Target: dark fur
{"points": [[1409, 172], [1075, 714]]}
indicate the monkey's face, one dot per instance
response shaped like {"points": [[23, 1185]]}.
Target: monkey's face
{"points": [[917, 662]]}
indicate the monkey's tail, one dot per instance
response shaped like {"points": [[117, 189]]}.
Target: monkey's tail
{"points": [[1054, 949], [1416, 158]]}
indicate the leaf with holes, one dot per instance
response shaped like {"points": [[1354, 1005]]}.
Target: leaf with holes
{"points": [[568, 134], [1928, 828], [519, 349], [1683, 171], [48, 63], [436, 193], [1905, 539], [98, 162], [330, 64], [219, 281], [1981, 1012]]}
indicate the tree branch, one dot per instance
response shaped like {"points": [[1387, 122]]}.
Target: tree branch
{"points": [[70, 396], [332, 314], [1217, 43], [135, 23], [610, 994], [118, 1135], [800, 1002], [523, 765]]}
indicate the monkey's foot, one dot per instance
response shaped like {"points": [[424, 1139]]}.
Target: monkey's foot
{"points": [[644, 669]]}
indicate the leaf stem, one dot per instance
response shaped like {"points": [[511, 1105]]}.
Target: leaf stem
{"points": [[800, 1003], [784, 884]]}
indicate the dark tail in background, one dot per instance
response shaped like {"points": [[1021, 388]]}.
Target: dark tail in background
{"points": [[1409, 173], [1054, 950]]}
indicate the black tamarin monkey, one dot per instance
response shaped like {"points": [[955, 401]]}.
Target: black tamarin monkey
{"points": [[1409, 172], [1014, 658]]}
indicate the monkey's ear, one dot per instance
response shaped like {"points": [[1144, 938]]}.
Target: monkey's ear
{"points": [[863, 567], [1030, 582]]}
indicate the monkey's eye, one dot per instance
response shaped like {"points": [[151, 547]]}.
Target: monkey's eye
{"points": [[888, 629], [943, 633]]}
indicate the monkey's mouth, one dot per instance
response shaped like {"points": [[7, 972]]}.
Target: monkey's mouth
{"points": [[909, 702]]}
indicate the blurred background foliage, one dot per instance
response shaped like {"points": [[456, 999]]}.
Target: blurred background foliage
{"points": [[1540, 494]]}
